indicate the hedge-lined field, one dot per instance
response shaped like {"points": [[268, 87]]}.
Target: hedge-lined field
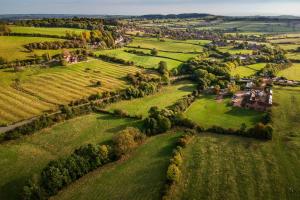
{"points": [[245, 71], [167, 45], [21, 159], [291, 73], [141, 176], [58, 85], [145, 61], [206, 111], [224, 167], [45, 30], [11, 47], [231, 50], [166, 97]]}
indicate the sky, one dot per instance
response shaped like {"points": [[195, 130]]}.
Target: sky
{"points": [[140, 7]]}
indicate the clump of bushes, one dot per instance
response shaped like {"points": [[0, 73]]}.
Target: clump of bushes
{"points": [[259, 131], [115, 60], [127, 140]]}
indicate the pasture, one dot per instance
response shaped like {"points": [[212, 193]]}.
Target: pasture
{"points": [[166, 45], [206, 111], [11, 47], [44, 89], [291, 73], [246, 71], [231, 50], [45, 30], [141, 176], [224, 167], [145, 61], [166, 97], [253, 26], [21, 159]]}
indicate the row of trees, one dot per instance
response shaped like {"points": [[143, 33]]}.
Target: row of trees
{"points": [[75, 22], [62, 172], [55, 45], [173, 172]]}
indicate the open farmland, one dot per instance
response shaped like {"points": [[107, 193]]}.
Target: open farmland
{"points": [[291, 73], [245, 71], [145, 61], [11, 47], [167, 96], [43, 89], [222, 167], [167, 45], [45, 30], [23, 158], [206, 111], [141, 176]]}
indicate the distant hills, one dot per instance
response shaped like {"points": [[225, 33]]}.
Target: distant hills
{"points": [[150, 16]]}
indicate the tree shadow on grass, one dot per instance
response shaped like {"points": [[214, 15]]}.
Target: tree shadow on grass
{"points": [[13, 188], [187, 88], [242, 112]]}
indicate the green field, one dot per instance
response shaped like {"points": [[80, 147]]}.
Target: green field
{"points": [[206, 111], [224, 167], [44, 89], [245, 71], [141, 176], [166, 97], [21, 159], [145, 61], [167, 45], [294, 56], [231, 50], [291, 73], [45, 30], [11, 47], [254, 26]]}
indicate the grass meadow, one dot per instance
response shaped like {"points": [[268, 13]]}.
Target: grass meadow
{"points": [[206, 111], [11, 47], [145, 61], [45, 30], [167, 45], [291, 73], [225, 167], [245, 71], [140, 176], [22, 158], [166, 97]]}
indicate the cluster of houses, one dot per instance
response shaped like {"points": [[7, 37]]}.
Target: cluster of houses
{"points": [[254, 97]]}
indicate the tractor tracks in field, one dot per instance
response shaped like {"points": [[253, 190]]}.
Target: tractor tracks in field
{"points": [[23, 90]]}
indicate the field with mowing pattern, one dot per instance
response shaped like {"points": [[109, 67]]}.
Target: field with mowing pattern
{"points": [[167, 96], [224, 167], [245, 71], [206, 111], [44, 89], [141, 176], [21, 159], [11, 47], [291, 73], [45, 30]]}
